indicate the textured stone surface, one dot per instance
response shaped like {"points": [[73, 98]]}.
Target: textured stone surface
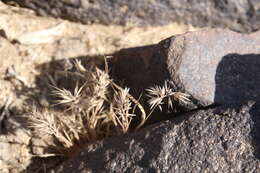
{"points": [[214, 66], [201, 141], [240, 15]]}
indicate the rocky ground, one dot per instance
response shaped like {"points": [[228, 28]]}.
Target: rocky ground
{"points": [[217, 131], [25, 61]]}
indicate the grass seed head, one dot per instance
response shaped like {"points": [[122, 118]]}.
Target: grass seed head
{"points": [[165, 95], [97, 110]]}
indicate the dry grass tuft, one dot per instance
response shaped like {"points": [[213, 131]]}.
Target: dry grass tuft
{"points": [[95, 109]]}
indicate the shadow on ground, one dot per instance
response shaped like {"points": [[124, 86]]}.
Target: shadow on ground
{"points": [[40, 97]]}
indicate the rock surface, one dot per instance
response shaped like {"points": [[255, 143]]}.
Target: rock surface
{"points": [[195, 141], [239, 15], [213, 66], [201, 141]]}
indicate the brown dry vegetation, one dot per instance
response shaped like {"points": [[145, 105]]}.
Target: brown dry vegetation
{"points": [[95, 108]]}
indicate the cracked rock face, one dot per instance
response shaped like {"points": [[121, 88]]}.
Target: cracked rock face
{"points": [[239, 15], [215, 140]]}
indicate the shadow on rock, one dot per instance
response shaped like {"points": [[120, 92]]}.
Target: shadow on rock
{"points": [[237, 82], [140, 68], [238, 79], [132, 66]]}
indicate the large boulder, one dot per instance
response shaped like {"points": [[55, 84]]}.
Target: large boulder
{"points": [[213, 66], [214, 140], [240, 15]]}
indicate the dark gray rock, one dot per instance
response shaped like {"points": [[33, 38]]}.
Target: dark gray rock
{"points": [[239, 15], [214, 140], [213, 66]]}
